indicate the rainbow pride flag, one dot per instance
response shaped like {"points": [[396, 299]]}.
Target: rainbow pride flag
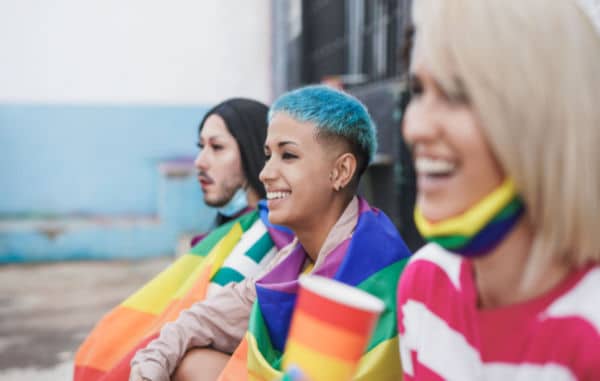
{"points": [[230, 253], [481, 227], [372, 260]]}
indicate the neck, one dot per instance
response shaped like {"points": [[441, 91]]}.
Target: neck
{"points": [[502, 276], [313, 234], [252, 197]]}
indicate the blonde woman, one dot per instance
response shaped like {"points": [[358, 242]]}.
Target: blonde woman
{"points": [[504, 125]]}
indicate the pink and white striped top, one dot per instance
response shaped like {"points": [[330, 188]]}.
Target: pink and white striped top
{"points": [[444, 336]]}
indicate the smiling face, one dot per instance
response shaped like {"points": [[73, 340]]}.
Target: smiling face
{"points": [[455, 165], [297, 172], [218, 163]]}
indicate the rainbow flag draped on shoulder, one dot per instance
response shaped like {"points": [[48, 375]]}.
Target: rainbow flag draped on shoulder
{"points": [[372, 260], [231, 252]]}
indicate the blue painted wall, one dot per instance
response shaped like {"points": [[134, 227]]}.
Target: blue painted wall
{"points": [[95, 159], [102, 161]]}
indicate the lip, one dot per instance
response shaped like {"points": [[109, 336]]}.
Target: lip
{"points": [[428, 184], [432, 156], [205, 185]]}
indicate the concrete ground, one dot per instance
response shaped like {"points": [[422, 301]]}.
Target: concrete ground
{"points": [[46, 310]]}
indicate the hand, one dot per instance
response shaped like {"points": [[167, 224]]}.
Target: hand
{"points": [[294, 374], [135, 375]]}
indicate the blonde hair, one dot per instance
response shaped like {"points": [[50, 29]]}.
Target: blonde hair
{"points": [[531, 71]]}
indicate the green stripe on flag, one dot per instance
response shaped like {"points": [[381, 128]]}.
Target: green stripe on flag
{"points": [[226, 275], [247, 220], [509, 210], [382, 284], [258, 329], [457, 241], [260, 248], [450, 241]]}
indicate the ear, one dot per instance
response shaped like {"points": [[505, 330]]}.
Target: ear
{"points": [[343, 171]]}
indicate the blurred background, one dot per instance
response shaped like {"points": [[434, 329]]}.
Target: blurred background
{"points": [[99, 108]]}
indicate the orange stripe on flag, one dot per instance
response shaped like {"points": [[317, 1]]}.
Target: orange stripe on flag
{"points": [[107, 343], [331, 340], [335, 313], [236, 368]]}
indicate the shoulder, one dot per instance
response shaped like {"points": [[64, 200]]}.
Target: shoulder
{"points": [[432, 264], [580, 302]]}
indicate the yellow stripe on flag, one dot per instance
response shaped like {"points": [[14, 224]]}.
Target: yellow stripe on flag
{"points": [[474, 218], [258, 368], [316, 365], [387, 356], [167, 286], [158, 293], [223, 248], [192, 279]]}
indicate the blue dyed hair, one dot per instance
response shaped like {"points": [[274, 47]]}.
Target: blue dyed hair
{"points": [[334, 113]]}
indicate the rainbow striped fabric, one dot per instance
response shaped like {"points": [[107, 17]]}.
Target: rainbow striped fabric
{"points": [[372, 260], [230, 253], [481, 227], [322, 332]]}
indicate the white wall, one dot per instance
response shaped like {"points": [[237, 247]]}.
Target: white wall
{"points": [[134, 51]]}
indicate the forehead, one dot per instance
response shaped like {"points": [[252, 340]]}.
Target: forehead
{"points": [[284, 127], [214, 126]]}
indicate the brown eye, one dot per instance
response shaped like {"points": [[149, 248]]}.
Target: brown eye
{"points": [[288, 156], [457, 95]]}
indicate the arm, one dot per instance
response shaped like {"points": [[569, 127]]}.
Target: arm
{"points": [[219, 321]]}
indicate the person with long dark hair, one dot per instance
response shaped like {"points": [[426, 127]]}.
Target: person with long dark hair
{"points": [[230, 138]]}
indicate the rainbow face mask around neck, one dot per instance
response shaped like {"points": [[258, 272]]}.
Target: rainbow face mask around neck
{"points": [[479, 229]]}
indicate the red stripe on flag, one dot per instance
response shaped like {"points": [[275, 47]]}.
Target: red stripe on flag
{"points": [[352, 319]]}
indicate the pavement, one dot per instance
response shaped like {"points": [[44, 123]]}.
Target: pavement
{"points": [[46, 310]]}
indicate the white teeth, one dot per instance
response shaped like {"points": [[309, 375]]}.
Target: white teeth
{"points": [[430, 166], [277, 195]]}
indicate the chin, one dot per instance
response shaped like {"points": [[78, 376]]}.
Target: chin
{"points": [[435, 214], [212, 202], [273, 218], [277, 219]]}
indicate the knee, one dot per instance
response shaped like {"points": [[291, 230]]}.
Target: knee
{"points": [[200, 364]]}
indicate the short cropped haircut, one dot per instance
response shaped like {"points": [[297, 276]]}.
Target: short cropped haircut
{"points": [[531, 72], [335, 114]]}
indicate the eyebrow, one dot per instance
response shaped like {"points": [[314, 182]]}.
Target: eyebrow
{"points": [[283, 143], [211, 138]]}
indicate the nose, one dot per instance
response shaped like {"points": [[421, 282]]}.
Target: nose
{"points": [[420, 122], [201, 161], [268, 173]]}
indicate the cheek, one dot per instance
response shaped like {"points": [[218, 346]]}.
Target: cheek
{"points": [[229, 165], [483, 173], [314, 185], [408, 126]]}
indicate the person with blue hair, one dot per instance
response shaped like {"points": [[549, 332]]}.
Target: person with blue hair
{"points": [[319, 142]]}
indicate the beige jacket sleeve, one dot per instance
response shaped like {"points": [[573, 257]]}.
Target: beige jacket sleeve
{"points": [[220, 321]]}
